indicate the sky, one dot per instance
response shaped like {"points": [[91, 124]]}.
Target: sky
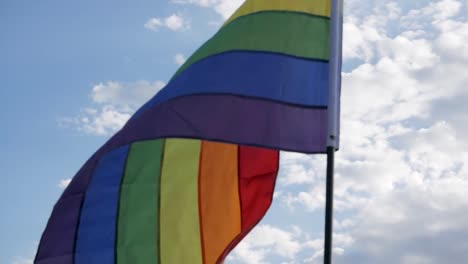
{"points": [[72, 73]]}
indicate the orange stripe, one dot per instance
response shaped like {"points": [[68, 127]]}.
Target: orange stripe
{"points": [[219, 198]]}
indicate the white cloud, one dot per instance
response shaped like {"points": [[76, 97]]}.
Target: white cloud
{"points": [[267, 243], [174, 22], [294, 172], [357, 41], [179, 59], [100, 121], [312, 199], [362, 35], [153, 24], [113, 104], [452, 39], [402, 170], [118, 93], [280, 241], [340, 240], [225, 8], [64, 183], [267, 240], [434, 12]]}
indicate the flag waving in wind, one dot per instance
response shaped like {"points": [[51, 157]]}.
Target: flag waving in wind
{"points": [[193, 171]]}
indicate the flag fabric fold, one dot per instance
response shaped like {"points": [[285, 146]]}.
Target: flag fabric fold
{"points": [[193, 171]]}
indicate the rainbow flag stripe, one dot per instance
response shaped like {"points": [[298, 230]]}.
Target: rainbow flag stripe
{"points": [[164, 201], [150, 209], [269, 61], [193, 171]]}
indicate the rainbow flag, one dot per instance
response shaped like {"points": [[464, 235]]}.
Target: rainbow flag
{"points": [[193, 171]]}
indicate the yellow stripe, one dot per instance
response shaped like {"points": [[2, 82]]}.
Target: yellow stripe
{"points": [[179, 222], [313, 7]]}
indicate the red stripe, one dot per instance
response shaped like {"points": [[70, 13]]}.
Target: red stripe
{"points": [[258, 168]]}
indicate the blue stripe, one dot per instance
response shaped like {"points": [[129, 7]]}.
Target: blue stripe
{"points": [[262, 75], [96, 234]]}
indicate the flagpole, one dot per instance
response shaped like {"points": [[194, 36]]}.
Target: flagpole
{"points": [[327, 257], [336, 38]]}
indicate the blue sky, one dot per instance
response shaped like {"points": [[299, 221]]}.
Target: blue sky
{"points": [[72, 72]]}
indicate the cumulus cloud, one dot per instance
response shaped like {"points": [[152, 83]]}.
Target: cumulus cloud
{"points": [[401, 172], [113, 103], [267, 242], [179, 59], [298, 169], [174, 22], [118, 93], [64, 183], [434, 12], [100, 121], [225, 8], [452, 39], [266, 239], [153, 24]]}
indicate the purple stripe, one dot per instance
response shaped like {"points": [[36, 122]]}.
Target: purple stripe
{"points": [[223, 118], [232, 119], [58, 240]]}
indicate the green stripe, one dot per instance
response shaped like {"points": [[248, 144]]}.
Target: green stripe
{"points": [[138, 227], [180, 226], [291, 33]]}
